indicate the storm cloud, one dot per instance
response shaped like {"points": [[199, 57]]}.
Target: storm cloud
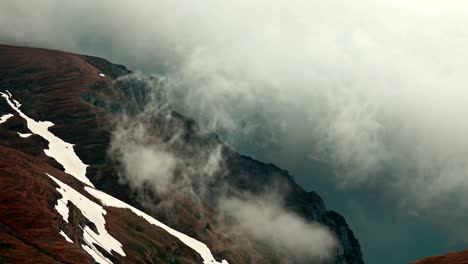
{"points": [[375, 89]]}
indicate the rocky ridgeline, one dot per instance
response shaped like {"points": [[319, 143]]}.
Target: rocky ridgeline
{"points": [[244, 173], [86, 97]]}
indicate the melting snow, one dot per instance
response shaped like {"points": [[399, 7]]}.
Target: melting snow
{"points": [[96, 255], [4, 118], [62, 208], [196, 245], [58, 149], [17, 104], [63, 153], [93, 212], [25, 135], [65, 236]]}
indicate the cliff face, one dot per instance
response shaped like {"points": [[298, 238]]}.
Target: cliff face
{"points": [[84, 98]]}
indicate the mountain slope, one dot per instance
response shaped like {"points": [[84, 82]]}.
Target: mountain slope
{"points": [[450, 258], [81, 97], [81, 206]]}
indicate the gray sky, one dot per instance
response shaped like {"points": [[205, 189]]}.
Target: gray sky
{"points": [[372, 92]]}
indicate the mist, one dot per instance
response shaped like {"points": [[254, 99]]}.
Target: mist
{"points": [[375, 90], [264, 219], [164, 159], [150, 144]]}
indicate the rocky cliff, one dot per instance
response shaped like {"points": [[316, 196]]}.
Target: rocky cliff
{"points": [[86, 99]]}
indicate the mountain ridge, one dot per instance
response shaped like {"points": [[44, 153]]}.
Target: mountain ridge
{"points": [[68, 89]]}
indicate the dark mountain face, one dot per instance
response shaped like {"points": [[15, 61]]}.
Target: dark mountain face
{"points": [[88, 99]]}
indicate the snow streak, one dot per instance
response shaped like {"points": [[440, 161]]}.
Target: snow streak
{"points": [[63, 153], [93, 212], [24, 135], [196, 245], [4, 118], [65, 236], [58, 149]]}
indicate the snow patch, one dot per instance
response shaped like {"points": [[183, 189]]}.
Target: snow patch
{"points": [[94, 213], [96, 255], [65, 236], [196, 245], [25, 135], [60, 150], [64, 153], [17, 104], [102, 75], [62, 208], [4, 118]]}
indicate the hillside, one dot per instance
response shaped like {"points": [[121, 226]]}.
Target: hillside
{"points": [[59, 113], [449, 258]]}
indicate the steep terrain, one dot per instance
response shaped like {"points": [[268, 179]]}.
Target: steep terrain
{"points": [[85, 100]]}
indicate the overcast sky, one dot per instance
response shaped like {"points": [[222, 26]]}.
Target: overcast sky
{"points": [[364, 101]]}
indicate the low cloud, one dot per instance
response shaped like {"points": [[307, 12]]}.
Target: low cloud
{"points": [[263, 219], [161, 157], [375, 89], [143, 163], [153, 145]]}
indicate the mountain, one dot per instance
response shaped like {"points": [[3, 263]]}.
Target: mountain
{"points": [[65, 195], [450, 258]]}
